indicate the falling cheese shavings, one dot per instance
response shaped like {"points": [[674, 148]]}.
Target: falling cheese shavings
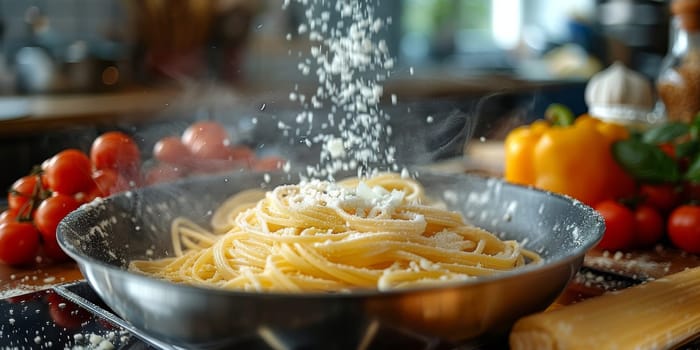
{"points": [[350, 64]]}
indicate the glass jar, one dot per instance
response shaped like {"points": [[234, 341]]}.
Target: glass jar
{"points": [[678, 83]]}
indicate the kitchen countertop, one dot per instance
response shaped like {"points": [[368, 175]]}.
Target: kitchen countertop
{"points": [[32, 114], [21, 114]]}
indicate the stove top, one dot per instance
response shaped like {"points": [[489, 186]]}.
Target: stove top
{"points": [[48, 320], [72, 316]]}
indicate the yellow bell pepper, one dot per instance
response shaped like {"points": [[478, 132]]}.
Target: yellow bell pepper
{"points": [[572, 159], [519, 156]]}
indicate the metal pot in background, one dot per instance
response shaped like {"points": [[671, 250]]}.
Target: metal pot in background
{"points": [[50, 64], [38, 72], [636, 32]]}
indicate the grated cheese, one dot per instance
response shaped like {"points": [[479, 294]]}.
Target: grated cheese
{"points": [[350, 66]]}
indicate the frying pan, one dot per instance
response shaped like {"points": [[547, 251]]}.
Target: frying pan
{"points": [[105, 235]]}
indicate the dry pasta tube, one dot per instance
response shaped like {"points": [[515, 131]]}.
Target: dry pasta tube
{"points": [[657, 315]]}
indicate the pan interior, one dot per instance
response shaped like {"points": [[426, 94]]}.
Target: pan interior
{"points": [[136, 224]]}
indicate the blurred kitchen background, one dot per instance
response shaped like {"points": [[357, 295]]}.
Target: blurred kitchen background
{"points": [[70, 69]]}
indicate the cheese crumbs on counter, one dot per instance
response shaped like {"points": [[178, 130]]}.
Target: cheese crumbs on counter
{"points": [[656, 315]]}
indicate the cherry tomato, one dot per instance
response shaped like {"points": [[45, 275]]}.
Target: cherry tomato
{"points": [[69, 171], [109, 182], [649, 226], [205, 130], [662, 197], [117, 151], [691, 191], [19, 243], [105, 180], [669, 149], [242, 153], [207, 149], [619, 225], [268, 163], [207, 139], [684, 228], [172, 150], [21, 191], [53, 251], [87, 197], [9, 215], [50, 212]]}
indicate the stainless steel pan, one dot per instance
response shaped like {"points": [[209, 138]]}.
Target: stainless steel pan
{"points": [[103, 237]]}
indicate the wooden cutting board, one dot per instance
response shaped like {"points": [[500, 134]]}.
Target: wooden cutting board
{"points": [[645, 264]]}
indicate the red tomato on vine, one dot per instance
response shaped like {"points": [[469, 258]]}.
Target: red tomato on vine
{"points": [[619, 225], [69, 172], [684, 228], [19, 243], [117, 151]]}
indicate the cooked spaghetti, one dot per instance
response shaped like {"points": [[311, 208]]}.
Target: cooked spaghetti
{"points": [[376, 233]]}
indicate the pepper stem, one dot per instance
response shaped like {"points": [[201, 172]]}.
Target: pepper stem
{"points": [[559, 115]]}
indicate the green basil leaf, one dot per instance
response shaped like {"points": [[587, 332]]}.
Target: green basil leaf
{"points": [[687, 149], [694, 128], [636, 135], [645, 162], [693, 172], [694, 131], [666, 132]]}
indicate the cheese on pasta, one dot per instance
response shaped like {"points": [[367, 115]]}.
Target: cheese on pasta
{"points": [[375, 233]]}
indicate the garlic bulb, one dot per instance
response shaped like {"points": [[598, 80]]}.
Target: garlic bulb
{"points": [[619, 94]]}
